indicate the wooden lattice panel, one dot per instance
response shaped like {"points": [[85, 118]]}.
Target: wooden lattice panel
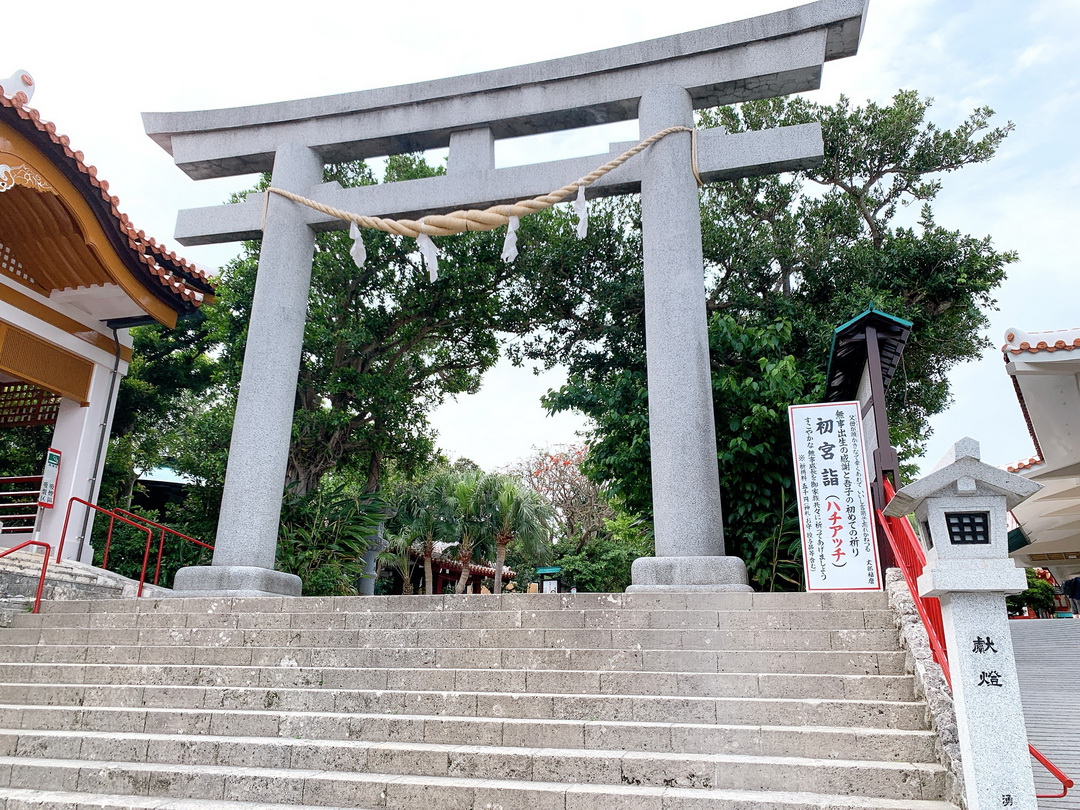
{"points": [[9, 264], [25, 405], [34, 360]]}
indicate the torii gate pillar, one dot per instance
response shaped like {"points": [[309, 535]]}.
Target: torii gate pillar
{"points": [[688, 520], [244, 552]]}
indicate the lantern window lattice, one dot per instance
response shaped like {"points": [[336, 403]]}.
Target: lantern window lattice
{"points": [[968, 528]]}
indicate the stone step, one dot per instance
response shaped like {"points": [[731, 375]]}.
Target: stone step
{"points": [[758, 619], [26, 799], [473, 602], [652, 708], [66, 581], [824, 742], [701, 684], [407, 792], [562, 638], [12, 607], [596, 766], [832, 662]]}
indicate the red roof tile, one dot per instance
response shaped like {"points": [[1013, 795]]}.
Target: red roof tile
{"points": [[185, 284], [1017, 342], [1026, 464]]}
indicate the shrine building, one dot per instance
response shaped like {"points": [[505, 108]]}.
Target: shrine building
{"points": [[75, 275]]}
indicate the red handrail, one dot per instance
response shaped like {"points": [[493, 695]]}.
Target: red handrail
{"points": [[21, 479], [9, 506], [113, 517], [44, 566], [912, 559], [161, 542]]}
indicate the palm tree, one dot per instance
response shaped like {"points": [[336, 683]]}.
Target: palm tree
{"points": [[397, 556], [518, 514], [428, 511], [473, 514]]}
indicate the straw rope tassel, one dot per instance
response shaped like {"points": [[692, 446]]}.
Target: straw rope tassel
{"points": [[581, 208], [430, 254], [510, 251], [357, 251]]}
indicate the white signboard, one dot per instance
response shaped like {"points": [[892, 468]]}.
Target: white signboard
{"points": [[839, 546], [48, 479]]}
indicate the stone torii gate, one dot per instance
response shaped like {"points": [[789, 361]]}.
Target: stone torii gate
{"points": [[660, 82]]}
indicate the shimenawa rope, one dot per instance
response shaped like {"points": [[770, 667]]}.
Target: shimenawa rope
{"points": [[495, 216]]}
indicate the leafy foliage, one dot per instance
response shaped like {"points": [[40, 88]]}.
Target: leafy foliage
{"points": [[518, 514], [324, 536], [603, 565], [580, 508], [785, 265], [383, 345], [1039, 596]]}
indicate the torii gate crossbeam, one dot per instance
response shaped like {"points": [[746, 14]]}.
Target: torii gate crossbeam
{"points": [[660, 82]]}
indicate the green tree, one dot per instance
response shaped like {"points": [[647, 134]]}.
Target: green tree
{"points": [[603, 565], [397, 557], [383, 345], [473, 518], [169, 373], [426, 512], [788, 258], [1039, 596], [324, 535], [580, 506]]}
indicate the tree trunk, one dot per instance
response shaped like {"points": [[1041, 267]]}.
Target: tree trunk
{"points": [[130, 494], [374, 471], [429, 550], [406, 582], [500, 558], [463, 580]]}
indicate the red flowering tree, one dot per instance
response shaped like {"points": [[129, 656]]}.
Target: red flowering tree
{"points": [[581, 508]]}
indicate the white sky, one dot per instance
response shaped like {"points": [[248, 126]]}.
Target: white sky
{"points": [[98, 65]]}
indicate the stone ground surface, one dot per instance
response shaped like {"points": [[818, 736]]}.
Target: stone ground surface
{"points": [[1046, 662], [545, 702]]}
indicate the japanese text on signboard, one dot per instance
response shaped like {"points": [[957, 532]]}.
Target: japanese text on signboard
{"points": [[47, 496], [839, 552]]}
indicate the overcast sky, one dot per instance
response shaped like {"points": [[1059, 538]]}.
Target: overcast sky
{"points": [[98, 65]]}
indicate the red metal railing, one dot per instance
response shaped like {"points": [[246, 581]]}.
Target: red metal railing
{"points": [[912, 559], [113, 517], [161, 542], [44, 566], [19, 504]]}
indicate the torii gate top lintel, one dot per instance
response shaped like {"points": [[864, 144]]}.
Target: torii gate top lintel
{"points": [[766, 56]]}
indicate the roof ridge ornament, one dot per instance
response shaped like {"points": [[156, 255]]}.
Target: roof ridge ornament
{"points": [[18, 83]]}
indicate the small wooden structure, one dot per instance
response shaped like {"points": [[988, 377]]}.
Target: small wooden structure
{"points": [[865, 354], [447, 571]]}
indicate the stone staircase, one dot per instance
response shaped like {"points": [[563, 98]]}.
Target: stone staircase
{"points": [[538, 701], [67, 579]]}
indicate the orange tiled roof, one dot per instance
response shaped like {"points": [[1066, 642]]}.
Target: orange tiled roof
{"points": [[1017, 342], [1026, 464], [449, 563], [186, 286]]}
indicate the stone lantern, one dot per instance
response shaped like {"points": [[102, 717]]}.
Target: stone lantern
{"points": [[960, 508]]}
